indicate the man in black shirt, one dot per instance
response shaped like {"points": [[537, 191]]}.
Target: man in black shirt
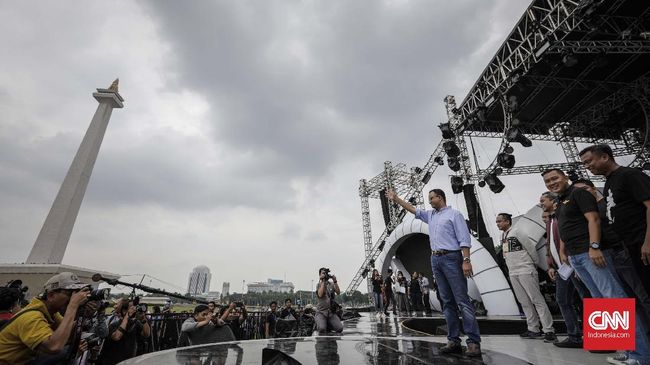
{"points": [[580, 230], [627, 192]]}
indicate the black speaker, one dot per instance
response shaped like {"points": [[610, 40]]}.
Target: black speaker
{"points": [[474, 213], [384, 206]]}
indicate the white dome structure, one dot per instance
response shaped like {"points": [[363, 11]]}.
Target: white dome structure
{"points": [[409, 243]]}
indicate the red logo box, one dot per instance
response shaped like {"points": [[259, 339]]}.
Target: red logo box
{"points": [[608, 324]]}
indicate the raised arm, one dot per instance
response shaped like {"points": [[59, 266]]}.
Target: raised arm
{"points": [[390, 194]]}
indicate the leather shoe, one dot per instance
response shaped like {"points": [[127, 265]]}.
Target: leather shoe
{"points": [[473, 350], [451, 348]]}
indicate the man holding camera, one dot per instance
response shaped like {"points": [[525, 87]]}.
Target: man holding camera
{"points": [[39, 330], [124, 326], [326, 316], [204, 327], [234, 315]]}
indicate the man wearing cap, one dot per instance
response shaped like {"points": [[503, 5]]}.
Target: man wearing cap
{"points": [[40, 329]]}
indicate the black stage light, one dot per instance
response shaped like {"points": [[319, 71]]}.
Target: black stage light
{"points": [[427, 177], [365, 273], [506, 160], [498, 171], [451, 149], [371, 263], [417, 170], [381, 246], [453, 163], [481, 112], [514, 135], [508, 149], [456, 184], [569, 60], [494, 183], [439, 160], [447, 133], [646, 166], [481, 183]]}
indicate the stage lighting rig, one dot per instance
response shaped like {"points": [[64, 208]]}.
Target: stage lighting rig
{"points": [[481, 183], [439, 160], [514, 135], [494, 183], [508, 149], [453, 163], [447, 132], [506, 160], [451, 149], [569, 60], [456, 184]]}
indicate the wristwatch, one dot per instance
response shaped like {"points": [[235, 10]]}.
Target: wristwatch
{"points": [[594, 245], [467, 259]]}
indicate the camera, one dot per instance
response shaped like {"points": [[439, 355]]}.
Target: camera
{"points": [[328, 275], [15, 290], [141, 308], [99, 294]]}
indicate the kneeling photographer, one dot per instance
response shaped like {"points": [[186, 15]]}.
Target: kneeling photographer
{"points": [[203, 327], [327, 309], [124, 328], [38, 334]]}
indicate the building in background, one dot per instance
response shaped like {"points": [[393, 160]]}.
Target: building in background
{"points": [[271, 285], [225, 290], [199, 281]]}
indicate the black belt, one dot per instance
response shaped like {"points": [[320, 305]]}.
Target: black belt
{"points": [[442, 252]]}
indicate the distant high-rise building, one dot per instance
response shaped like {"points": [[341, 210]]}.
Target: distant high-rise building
{"points": [[226, 288], [199, 281], [271, 285]]}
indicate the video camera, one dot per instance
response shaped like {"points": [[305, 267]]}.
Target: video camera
{"points": [[141, 308]]}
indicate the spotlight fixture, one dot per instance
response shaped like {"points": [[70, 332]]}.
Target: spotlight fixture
{"points": [[451, 149], [453, 163], [498, 171], [508, 149], [514, 135], [447, 133], [365, 272], [481, 112], [417, 169], [481, 183], [426, 177], [494, 183], [506, 160], [439, 160], [371, 263], [456, 184], [646, 166], [569, 60]]}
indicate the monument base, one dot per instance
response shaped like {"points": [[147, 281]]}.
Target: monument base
{"points": [[34, 276]]}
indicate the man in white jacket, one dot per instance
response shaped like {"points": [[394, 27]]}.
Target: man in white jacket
{"points": [[519, 252]]}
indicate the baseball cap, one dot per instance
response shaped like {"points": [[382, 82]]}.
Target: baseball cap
{"points": [[64, 280]]}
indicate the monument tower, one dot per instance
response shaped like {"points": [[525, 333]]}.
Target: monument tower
{"points": [[52, 241]]}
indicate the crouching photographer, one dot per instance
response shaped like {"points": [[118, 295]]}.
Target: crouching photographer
{"points": [[204, 327], [38, 334], [327, 309], [125, 326]]}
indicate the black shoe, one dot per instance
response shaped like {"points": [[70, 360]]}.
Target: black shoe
{"points": [[473, 350], [451, 348], [550, 337], [567, 343], [531, 334]]}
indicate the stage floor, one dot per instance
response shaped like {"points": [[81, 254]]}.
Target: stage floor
{"points": [[372, 340]]}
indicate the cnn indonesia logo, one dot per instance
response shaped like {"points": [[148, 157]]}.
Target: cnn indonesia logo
{"points": [[608, 324]]}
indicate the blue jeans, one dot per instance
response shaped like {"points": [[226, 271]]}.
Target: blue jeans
{"points": [[379, 304], [452, 285], [604, 283], [564, 294]]}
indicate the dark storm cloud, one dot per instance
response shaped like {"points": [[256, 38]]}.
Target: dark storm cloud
{"points": [[273, 71]]}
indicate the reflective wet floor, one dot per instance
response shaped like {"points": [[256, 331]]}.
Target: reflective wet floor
{"points": [[371, 340]]}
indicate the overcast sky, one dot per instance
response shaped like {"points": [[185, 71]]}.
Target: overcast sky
{"points": [[246, 128]]}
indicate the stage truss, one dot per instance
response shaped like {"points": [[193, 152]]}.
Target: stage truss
{"points": [[560, 102]]}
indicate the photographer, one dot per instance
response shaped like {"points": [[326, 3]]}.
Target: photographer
{"points": [[234, 315], [124, 327], [203, 327], [11, 298], [39, 331], [94, 330], [326, 316]]}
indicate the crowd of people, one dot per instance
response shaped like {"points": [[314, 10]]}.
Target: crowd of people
{"points": [[598, 245], [407, 296]]}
